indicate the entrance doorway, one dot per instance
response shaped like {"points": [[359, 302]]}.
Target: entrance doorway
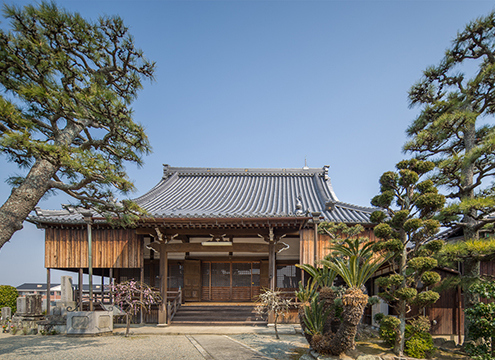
{"points": [[230, 281]]}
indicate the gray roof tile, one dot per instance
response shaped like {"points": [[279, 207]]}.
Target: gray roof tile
{"points": [[236, 193]]}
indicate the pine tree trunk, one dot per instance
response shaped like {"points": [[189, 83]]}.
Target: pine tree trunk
{"points": [[400, 340], [24, 198], [472, 268]]}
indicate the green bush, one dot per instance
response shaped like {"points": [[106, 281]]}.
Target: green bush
{"points": [[389, 326], [422, 264], [430, 277], [8, 297], [420, 346]]}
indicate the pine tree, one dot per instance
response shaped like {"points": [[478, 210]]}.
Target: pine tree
{"points": [[65, 116], [455, 130]]}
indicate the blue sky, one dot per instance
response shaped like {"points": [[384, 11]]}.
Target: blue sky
{"points": [[268, 84]]}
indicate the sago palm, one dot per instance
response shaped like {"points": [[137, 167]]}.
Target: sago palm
{"points": [[355, 262]]}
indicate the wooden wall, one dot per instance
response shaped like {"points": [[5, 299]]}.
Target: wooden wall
{"points": [[111, 248], [306, 245]]}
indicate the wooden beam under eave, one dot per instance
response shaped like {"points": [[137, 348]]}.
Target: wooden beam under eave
{"points": [[253, 232], [197, 247]]}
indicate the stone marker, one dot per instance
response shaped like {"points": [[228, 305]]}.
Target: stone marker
{"points": [[66, 298], [30, 305], [6, 313], [66, 294]]}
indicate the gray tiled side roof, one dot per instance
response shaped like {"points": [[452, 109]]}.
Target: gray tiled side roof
{"points": [[236, 193]]}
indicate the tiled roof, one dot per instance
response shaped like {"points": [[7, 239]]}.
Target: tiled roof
{"points": [[236, 193], [35, 287], [248, 193]]}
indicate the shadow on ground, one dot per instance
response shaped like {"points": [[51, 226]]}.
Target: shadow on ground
{"points": [[37, 345], [287, 348]]}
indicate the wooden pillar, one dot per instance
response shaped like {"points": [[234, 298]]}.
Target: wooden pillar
{"points": [[142, 278], [316, 221], [110, 282], [141, 294], [80, 286], [272, 268], [118, 276], [152, 272], [48, 286], [102, 286], [162, 312], [459, 312]]}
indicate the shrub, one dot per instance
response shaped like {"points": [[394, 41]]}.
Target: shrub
{"points": [[8, 297], [389, 326], [419, 342], [420, 345], [378, 317], [420, 324], [426, 297], [430, 277], [422, 264]]}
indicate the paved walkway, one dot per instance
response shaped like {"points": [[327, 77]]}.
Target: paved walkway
{"points": [[151, 329], [148, 342]]}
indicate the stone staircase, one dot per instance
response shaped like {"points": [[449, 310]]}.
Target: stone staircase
{"points": [[218, 314]]}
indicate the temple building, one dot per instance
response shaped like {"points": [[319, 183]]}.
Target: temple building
{"points": [[218, 234]]}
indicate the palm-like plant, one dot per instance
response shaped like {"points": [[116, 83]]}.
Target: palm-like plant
{"points": [[354, 261], [323, 277]]}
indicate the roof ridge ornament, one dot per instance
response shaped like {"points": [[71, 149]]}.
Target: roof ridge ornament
{"points": [[306, 167], [299, 210], [325, 171]]}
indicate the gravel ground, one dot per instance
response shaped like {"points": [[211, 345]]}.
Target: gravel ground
{"points": [[137, 347], [288, 347], [102, 347]]}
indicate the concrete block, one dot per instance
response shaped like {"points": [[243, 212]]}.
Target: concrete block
{"points": [[89, 322]]}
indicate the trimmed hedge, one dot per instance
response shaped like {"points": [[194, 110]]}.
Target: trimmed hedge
{"points": [[8, 297]]}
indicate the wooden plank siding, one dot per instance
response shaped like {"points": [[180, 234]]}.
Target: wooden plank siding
{"points": [[111, 248], [307, 244]]}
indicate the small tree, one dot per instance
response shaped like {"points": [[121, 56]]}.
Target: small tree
{"points": [[132, 296], [405, 225], [8, 297], [270, 301]]}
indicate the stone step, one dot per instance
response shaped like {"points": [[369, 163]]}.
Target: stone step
{"points": [[217, 315]]}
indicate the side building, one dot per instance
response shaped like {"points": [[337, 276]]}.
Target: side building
{"points": [[219, 234]]}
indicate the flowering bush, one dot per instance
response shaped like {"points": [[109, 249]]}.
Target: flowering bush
{"points": [[7, 324], [132, 296]]}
